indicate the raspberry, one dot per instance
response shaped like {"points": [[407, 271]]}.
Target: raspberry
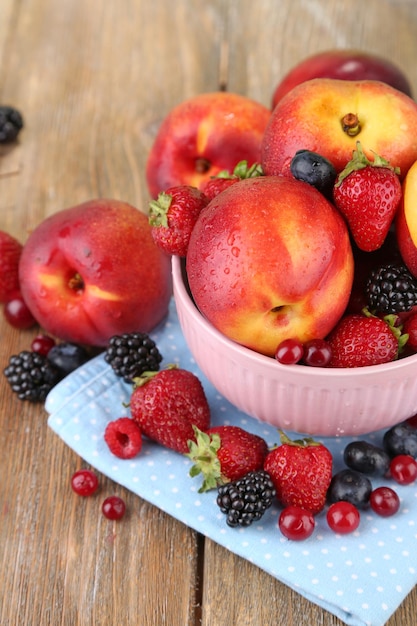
{"points": [[31, 376], [124, 438], [132, 354]]}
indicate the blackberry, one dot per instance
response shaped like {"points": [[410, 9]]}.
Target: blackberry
{"points": [[131, 354], [31, 376], [11, 122], [245, 500], [391, 289]]}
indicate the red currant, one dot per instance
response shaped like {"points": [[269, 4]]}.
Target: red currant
{"points": [[42, 344], [317, 353], [113, 508], [343, 517], [17, 312], [403, 469], [296, 523], [289, 351], [410, 327], [384, 501], [84, 482]]}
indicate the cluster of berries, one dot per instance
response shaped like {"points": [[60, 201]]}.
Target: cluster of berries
{"points": [[368, 194], [169, 406], [84, 482], [389, 291], [299, 474], [356, 341], [32, 373]]}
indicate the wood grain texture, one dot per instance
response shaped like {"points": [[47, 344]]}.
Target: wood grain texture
{"points": [[94, 80]]}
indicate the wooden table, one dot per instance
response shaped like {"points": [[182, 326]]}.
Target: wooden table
{"points": [[93, 81]]}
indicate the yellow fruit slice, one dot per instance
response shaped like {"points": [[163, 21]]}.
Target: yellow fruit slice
{"points": [[410, 201]]}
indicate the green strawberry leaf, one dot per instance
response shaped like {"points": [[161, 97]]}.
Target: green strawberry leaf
{"points": [[359, 161], [203, 453]]}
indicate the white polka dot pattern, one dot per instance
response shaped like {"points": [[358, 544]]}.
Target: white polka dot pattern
{"points": [[362, 578]]}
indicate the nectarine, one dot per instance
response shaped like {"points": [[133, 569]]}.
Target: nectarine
{"points": [[270, 258], [203, 135], [93, 271], [329, 116]]}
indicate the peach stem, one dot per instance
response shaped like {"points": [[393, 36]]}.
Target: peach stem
{"points": [[351, 125]]}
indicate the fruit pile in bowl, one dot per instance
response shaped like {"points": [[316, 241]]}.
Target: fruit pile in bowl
{"points": [[321, 401], [296, 285]]}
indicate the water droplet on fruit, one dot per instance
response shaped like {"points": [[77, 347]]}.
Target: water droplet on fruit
{"points": [[231, 239], [227, 270], [235, 251]]}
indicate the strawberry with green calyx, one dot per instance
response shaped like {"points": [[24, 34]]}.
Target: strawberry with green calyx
{"points": [[225, 453], [172, 217], [224, 179], [368, 193], [167, 404], [364, 339], [301, 471]]}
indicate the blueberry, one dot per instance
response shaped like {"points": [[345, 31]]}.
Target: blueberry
{"points": [[314, 169], [68, 356], [364, 457], [401, 439], [350, 486]]}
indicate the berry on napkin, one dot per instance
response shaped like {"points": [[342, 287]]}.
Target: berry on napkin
{"points": [[301, 471], [225, 453], [167, 404]]}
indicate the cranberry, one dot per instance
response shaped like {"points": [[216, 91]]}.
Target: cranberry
{"points": [[384, 501], [343, 517], [42, 344], [289, 351], [410, 328], [84, 482], [113, 508], [296, 523], [317, 353], [17, 312], [412, 421], [403, 469]]}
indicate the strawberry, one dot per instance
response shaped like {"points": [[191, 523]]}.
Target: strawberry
{"points": [[224, 179], [10, 250], [167, 404], [364, 339], [225, 453], [301, 471], [368, 194], [172, 217]]}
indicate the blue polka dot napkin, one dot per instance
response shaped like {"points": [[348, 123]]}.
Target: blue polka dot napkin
{"points": [[361, 578]]}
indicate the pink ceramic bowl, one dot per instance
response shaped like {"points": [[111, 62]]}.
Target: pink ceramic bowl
{"points": [[308, 400]]}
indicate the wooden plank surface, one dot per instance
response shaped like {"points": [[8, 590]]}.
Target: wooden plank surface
{"points": [[94, 80]]}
